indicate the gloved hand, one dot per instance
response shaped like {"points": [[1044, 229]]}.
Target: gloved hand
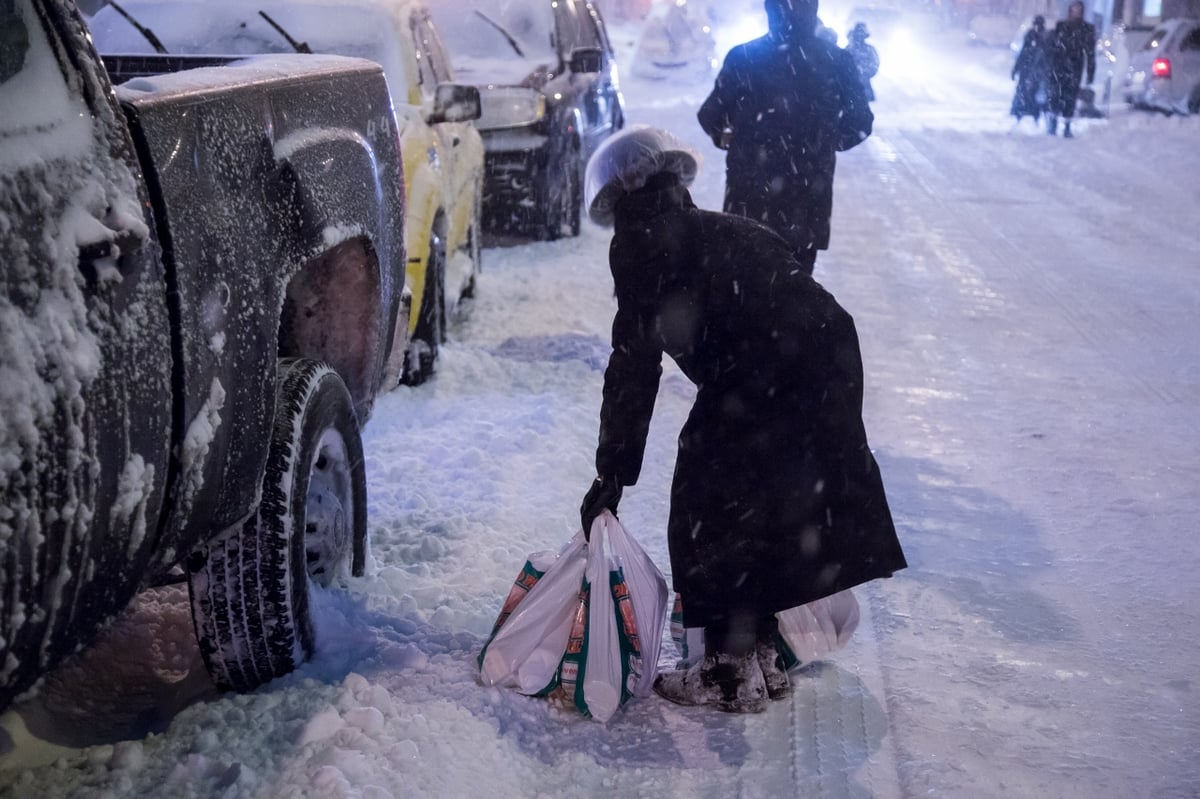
{"points": [[604, 493]]}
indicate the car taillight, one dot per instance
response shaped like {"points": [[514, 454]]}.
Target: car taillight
{"points": [[1161, 68]]}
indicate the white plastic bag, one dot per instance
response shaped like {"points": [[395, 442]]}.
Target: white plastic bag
{"points": [[818, 628], [526, 649], [617, 634], [809, 632], [602, 689], [647, 597]]}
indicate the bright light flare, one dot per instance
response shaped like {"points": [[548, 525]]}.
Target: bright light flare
{"points": [[902, 58], [741, 29]]}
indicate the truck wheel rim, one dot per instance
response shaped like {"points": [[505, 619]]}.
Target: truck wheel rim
{"points": [[330, 501]]}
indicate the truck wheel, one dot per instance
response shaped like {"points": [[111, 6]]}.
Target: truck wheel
{"points": [[1193, 103], [249, 586], [564, 216], [574, 194], [421, 358], [475, 246]]}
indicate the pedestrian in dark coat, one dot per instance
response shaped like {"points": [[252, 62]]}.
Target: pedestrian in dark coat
{"points": [[865, 56], [1072, 49], [783, 105], [777, 500], [1030, 72]]}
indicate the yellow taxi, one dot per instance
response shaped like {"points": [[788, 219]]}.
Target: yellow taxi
{"points": [[441, 149]]}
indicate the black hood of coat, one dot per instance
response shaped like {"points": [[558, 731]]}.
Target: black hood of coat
{"points": [[792, 18]]}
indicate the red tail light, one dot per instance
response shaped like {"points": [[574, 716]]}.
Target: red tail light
{"points": [[1161, 68]]}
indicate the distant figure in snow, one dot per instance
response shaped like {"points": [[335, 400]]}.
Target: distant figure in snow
{"points": [[1030, 72], [783, 105], [776, 500], [1072, 47], [865, 56]]}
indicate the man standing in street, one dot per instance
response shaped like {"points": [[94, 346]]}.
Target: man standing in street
{"points": [[1072, 45], [865, 56], [783, 105]]}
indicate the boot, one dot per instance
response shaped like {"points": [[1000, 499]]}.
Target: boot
{"points": [[733, 683], [775, 676], [1067, 134], [1052, 125]]}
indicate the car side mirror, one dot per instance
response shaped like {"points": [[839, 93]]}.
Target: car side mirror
{"points": [[586, 59], [455, 102]]}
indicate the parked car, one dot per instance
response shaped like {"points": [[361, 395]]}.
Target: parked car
{"points": [[196, 317], [548, 81], [1164, 74], [443, 152]]}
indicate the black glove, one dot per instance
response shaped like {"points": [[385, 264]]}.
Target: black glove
{"points": [[604, 493]]}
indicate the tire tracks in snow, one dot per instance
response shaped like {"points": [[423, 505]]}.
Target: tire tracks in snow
{"points": [[1105, 319]]}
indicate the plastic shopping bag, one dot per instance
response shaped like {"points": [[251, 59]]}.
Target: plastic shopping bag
{"points": [[596, 663], [812, 631], [808, 633], [617, 627], [642, 605], [526, 647]]}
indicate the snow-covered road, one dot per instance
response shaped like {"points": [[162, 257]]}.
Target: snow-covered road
{"points": [[1028, 313]]}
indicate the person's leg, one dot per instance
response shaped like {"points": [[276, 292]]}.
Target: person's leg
{"points": [[728, 677]]}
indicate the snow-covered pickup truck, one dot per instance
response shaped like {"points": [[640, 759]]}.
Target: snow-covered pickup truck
{"points": [[201, 293]]}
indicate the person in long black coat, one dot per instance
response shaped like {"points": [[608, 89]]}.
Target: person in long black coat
{"points": [[1072, 51], [1030, 71], [783, 105], [776, 500], [865, 56]]}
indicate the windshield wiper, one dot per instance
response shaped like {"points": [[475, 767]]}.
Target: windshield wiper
{"points": [[146, 32], [504, 33], [299, 47]]}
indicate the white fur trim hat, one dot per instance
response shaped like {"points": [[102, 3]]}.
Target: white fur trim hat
{"points": [[626, 160]]}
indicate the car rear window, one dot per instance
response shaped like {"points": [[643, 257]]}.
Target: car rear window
{"points": [[1192, 40], [1155, 39]]}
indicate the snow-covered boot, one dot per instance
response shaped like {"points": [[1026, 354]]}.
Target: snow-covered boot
{"points": [[775, 676], [1067, 134], [733, 683], [1052, 125]]}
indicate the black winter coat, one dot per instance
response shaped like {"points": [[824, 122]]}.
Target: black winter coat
{"points": [[791, 102], [1031, 71], [777, 500], [1072, 52]]}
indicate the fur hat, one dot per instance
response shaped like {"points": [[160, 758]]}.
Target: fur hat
{"points": [[626, 160]]}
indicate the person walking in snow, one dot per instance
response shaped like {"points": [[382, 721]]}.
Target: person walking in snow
{"points": [[777, 500], [783, 105], [1072, 49], [1030, 72], [865, 56]]}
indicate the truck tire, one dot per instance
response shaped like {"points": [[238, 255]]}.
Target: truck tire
{"points": [[564, 218], [574, 194], [249, 586], [420, 360]]}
